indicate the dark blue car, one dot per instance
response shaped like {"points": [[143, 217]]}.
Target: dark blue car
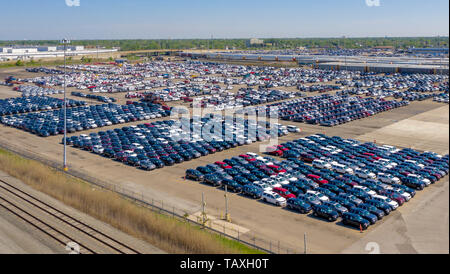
{"points": [[251, 191], [325, 212], [298, 205], [355, 220]]}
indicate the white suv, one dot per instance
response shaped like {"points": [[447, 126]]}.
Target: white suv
{"points": [[365, 174], [427, 182], [388, 178], [341, 168], [319, 195], [321, 164], [262, 186], [366, 190], [291, 128], [98, 149], [405, 194], [271, 182], [252, 154], [281, 180], [273, 198]]}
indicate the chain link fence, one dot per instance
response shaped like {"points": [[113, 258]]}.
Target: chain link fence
{"points": [[220, 227]]}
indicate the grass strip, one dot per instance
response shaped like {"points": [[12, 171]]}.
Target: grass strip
{"points": [[167, 233]]}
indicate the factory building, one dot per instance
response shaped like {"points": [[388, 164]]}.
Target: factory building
{"points": [[429, 51], [28, 52], [403, 64], [255, 42]]}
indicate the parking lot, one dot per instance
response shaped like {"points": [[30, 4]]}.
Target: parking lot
{"points": [[393, 127]]}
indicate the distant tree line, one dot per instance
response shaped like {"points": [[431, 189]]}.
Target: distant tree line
{"points": [[271, 43]]}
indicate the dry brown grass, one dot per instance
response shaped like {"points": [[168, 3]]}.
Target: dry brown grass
{"points": [[168, 234]]}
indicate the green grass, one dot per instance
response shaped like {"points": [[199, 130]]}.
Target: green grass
{"points": [[165, 232], [49, 63]]}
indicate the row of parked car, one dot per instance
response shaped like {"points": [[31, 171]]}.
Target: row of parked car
{"points": [[44, 70], [131, 78], [192, 79], [330, 177], [182, 91], [413, 96], [103, 99], [327, 110], [81, 118], [173, 81], [19, 105], [37, 91], [319, 88], [412, 82], [165, 143], [374, 92], [243, 98]]}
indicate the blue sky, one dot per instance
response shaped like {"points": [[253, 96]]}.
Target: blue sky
{"points": [[170, 19]]}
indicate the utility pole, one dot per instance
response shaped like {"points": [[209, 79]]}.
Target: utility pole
{"points": [[65, 167], [203, 208], [227, 215], [204, 217]]}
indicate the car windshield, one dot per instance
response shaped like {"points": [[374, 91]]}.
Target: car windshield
{"points": [[363, 212], [301, 202], [358, 218]]}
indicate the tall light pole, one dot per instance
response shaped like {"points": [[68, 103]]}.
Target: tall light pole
{"points": [[227, 215], [65, 42]]}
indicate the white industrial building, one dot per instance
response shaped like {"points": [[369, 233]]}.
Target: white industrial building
{"points": [[48, 48], [37, 52], [13, 50], [405, 64]]}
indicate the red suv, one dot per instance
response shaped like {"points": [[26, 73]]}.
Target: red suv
{"points": [[223, 165], [283, 192], [317, 179], [247, 157], [277, 169], [275, 151]]}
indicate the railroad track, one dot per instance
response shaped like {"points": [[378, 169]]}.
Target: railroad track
{"points": [[16, 201]]}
